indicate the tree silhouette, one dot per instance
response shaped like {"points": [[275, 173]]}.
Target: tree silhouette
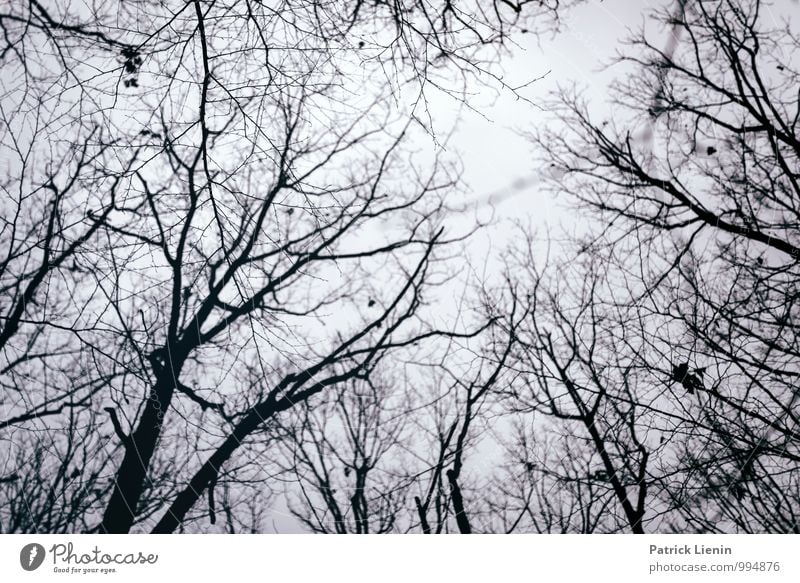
{"points": [[695, 205], [212, 214]]}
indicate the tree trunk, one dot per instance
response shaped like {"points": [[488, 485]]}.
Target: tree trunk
{"points": [[130, 479]]}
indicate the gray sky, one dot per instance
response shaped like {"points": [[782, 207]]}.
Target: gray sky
{"points": [[498, 163], [494, 155]]}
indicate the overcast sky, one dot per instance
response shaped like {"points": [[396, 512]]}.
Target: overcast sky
{"points": [[495, 156]]}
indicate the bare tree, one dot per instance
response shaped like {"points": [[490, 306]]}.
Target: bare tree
{"points": [[344, 457], [213, 216], [574, 372], [693, 186]]}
